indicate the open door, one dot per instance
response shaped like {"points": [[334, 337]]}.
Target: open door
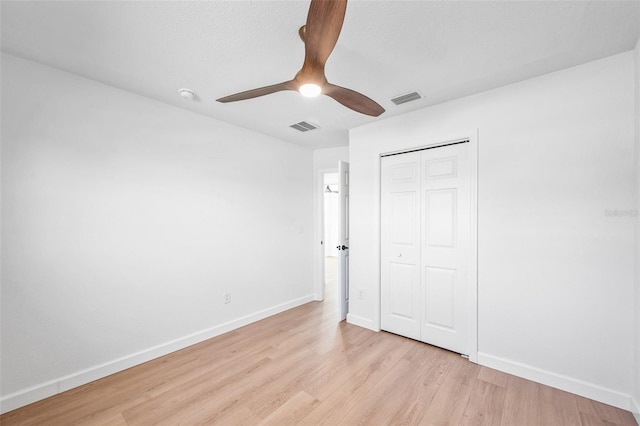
{"points": [[343, 239]]}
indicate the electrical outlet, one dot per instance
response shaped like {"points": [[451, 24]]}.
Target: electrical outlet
{"points": [[360, 294], [227, 298]]}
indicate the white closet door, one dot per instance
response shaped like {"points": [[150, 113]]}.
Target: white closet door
{"points": [[425, 245], [445, 217], [400, 245]]}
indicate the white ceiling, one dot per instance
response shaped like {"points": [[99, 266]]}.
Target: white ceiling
{"points": [[442, 49]]}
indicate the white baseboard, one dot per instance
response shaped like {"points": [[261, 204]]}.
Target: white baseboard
{"points": [[636, 410], [361, 322], [62, 384], [559, 381]]}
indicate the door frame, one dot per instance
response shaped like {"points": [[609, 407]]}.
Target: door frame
{"points": [[472, 137]]}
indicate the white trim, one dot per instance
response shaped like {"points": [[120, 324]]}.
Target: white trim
{"points": [[472, 137], [636, 409], [362, 322], [437, 142], [35, 393], [559, 381], [473, 252]]}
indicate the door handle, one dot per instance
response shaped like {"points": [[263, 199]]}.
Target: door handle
{"points": [[344, 247]]}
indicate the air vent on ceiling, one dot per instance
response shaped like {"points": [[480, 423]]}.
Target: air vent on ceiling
{"points": [[303, 126], [406, 98]]}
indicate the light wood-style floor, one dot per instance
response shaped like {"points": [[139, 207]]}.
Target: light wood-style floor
{"points": [[303, 367]]}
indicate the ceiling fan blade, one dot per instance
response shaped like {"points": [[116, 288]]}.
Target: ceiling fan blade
{"points": [[352, 99], [249, 94], [324, 22]]}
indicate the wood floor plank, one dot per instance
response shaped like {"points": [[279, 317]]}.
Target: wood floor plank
{"points": [[379, 405], [408, 402], [320, 368], [354, 385], [173, 377], [558, 407], [495, 377], [523, 404], [346, 351], [271, 395], [588, 419], [418, 399], [106, 420], [159, 407], [200, 401], [292, 411], [120, 391], [449, 403], [237, 416], [597, 411], [485, 404]]}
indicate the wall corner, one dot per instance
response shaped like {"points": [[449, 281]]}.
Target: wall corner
{"points": [[636, 366]]}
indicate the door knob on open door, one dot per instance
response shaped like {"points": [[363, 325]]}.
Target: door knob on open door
{"points": [[344, 247]]}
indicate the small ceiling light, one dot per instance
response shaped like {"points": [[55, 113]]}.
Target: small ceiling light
{"points": [[187, 94], [310, 90]]}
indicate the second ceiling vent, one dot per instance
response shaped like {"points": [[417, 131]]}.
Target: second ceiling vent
{"points": [[303, 126], [413, 96]]}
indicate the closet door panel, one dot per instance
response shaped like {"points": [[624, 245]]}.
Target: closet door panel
{"points": [[445, 215], [400, 245]]}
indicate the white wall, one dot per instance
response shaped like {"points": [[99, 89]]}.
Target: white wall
{"points": [[555, 272], [124, 221], [328, 158]]}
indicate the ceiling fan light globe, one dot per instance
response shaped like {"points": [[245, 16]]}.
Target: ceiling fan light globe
{"points": [[310, 90]]}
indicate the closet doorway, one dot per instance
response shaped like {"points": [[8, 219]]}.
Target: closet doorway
{"points": [[428, 241]]}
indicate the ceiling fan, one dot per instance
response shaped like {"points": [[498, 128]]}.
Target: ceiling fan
{"points": [[320, 34]]}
